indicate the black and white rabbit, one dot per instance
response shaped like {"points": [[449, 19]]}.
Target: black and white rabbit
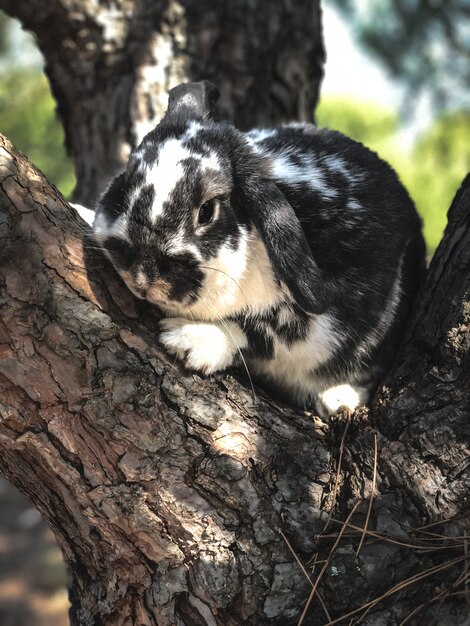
{"points": [[294, 249]]}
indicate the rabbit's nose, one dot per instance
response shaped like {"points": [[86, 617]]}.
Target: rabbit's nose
{"points": [[141, 281]]}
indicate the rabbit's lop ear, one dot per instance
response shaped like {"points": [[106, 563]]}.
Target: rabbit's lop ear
{"points": [[287, 247], [192, 100]]}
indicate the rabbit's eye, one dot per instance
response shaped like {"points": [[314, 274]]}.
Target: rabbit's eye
{"points": [[206, 212]]}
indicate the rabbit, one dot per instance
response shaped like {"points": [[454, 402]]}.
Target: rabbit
{"points": [[292, 250]]}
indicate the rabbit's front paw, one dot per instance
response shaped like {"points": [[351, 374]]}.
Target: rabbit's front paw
{"points": [[202, 346]]}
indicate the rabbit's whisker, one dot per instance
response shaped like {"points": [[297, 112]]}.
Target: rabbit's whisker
{"points": [[215, 269], [239, 350]]}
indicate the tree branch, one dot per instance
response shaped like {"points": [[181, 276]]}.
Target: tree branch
{"points": [[111, 65], [158, 481], [168, 492]]}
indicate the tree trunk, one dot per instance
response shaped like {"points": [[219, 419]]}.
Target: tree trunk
{"points": [[111, 64], [181, 500]]}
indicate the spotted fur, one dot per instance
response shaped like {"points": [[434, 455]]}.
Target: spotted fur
{"points": [[306, 270]]}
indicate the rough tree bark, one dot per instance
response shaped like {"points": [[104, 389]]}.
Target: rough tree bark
{"points": [[111, 65], [169, 493]]}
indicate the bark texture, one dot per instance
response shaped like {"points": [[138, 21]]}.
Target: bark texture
{"points": [[111, 64], [173, 497]]}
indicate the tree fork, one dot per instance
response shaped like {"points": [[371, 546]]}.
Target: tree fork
{"points": [[424, 405], [167, 491]]}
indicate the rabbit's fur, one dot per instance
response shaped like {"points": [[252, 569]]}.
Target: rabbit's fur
{"points": [[293, 249]]}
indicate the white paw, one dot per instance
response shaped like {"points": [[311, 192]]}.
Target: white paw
{"points": [[349, 396], [202, 346]]}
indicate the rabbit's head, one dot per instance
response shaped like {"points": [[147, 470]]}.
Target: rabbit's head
{"points": [[195, 218]]}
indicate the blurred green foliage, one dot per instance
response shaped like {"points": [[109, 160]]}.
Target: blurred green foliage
{"points": [[423, 43], [441, 159], [28, 119], [431, 168], [364, 121]]}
